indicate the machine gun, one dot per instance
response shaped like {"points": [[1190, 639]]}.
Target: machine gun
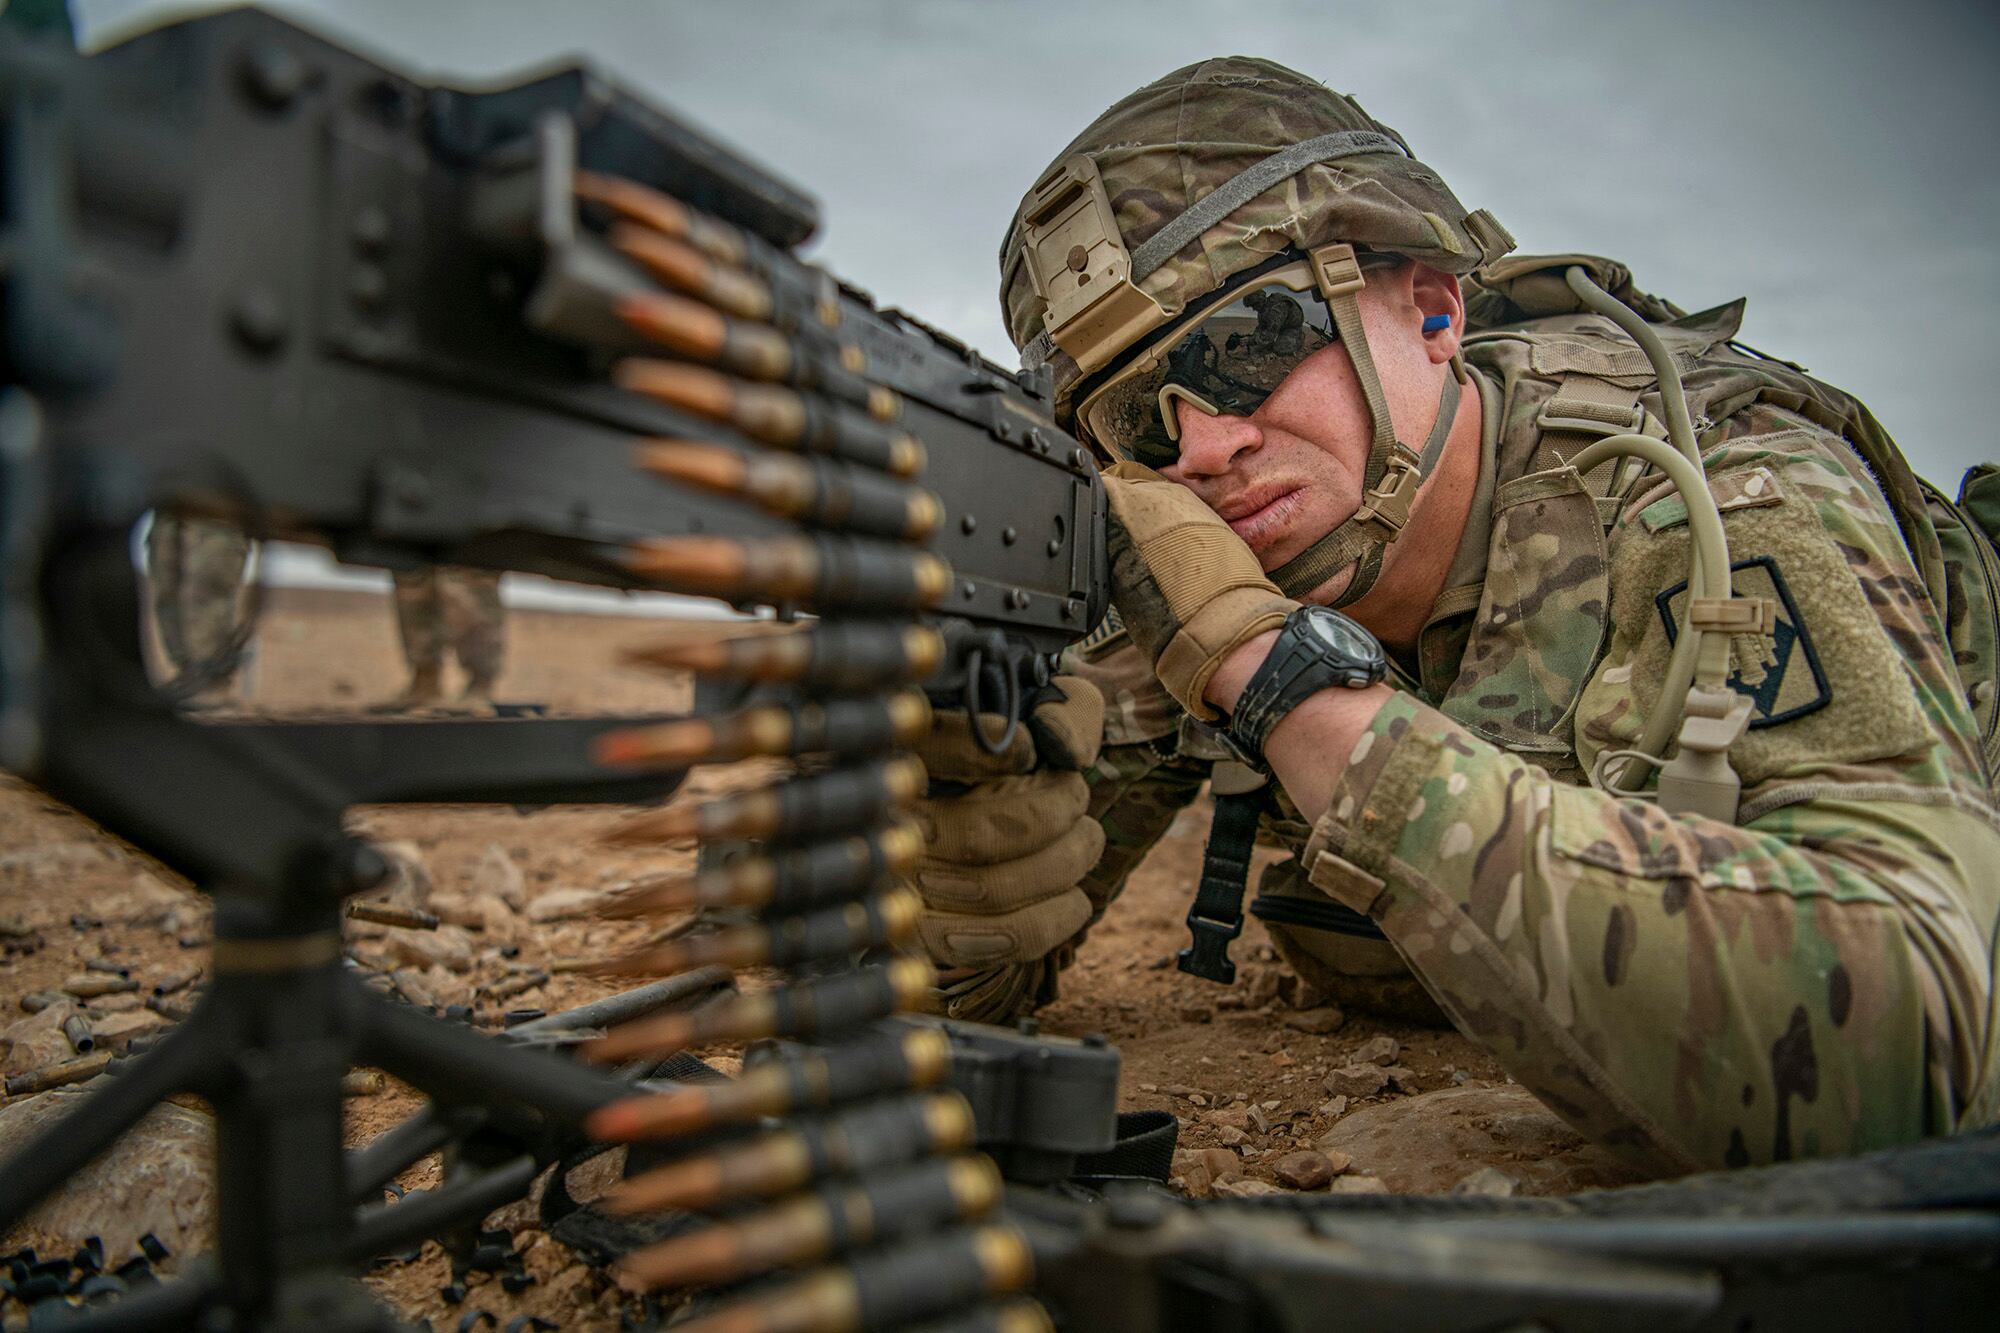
{"points": [[547, 328]]}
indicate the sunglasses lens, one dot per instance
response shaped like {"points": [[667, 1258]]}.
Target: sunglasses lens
{"points": [[1232, 359]]}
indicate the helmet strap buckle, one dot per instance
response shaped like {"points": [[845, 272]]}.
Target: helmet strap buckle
{"points": [[1387, 505], [1337, 269]]}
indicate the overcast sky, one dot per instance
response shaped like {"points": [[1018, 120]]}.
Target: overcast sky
{"points": [[1833, 160]]}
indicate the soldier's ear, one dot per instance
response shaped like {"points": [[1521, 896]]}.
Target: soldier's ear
{"points": [[1436, 293]]}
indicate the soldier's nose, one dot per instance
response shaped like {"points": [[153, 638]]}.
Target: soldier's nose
{"points": [[1210, 445]]}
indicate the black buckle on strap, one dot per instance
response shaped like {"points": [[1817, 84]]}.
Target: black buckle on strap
{"points": [[1208, 956]]}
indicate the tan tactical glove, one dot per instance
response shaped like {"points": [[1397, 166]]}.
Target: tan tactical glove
{"points": [[1190, 592], [1008, 836]]}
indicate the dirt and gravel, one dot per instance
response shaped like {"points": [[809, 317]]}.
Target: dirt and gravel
{"points": [[1262, 1074]]}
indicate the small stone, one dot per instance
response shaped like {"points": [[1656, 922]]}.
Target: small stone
{"points": [[495, 873], [1357, 1080], [1197, 1013], [1149, 1087], [1380, 1050], [1263, 987], [1334, 1108], [116, 1031], [1219, 1162], [1177, 1089], [1337, 1159], [1244, 1189], [1302, 994], [1306, 1170], [1318, 1022], [1259, 1121], [1358, 1185], [447, 946], [1489, 1181], [1401, 1079], [1230, 1136], [1230, 1117], [116, 1004], [1460, 1077], [1250, 1150], [1197, 1099], [1271, 1105], [38, 1040], [1284, 1059]]}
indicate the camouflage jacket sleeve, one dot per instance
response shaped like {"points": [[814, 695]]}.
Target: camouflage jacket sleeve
{"points": [[1816, 978]]}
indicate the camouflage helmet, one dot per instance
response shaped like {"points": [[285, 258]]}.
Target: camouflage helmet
{"points": [[1164, 149]]}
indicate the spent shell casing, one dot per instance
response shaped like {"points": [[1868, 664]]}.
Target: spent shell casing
{"points": [[844, 656], [825, 573], [886, 919], [361, 1083], [89, 985], [59, 1075], [174, 982], [848, 1140], [77, 1028], [789, 1080], [507, 988], [837, 1217], [169, 1008], [847, 727], [804, 1008], [785, 879], [663, 213], [37, 1000], [107, 966], [888, 1288], [388, 914], [823, 805], [824, 492], [775, 415]]}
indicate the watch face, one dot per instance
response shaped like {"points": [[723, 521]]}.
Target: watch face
{"points": [[1341, 635]]}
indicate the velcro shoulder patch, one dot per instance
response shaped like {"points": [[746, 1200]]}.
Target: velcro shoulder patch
{"points": [[1745, 488], [1788, 681]]}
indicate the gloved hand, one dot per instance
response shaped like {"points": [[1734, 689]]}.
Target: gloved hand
{"points": [[1190, 592], [1007, 838]]}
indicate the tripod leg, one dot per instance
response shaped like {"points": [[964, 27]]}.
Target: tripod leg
{"points": [[184, 1061], [457, 1065]]}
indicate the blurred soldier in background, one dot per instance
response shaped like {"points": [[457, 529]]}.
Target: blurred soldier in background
{"points": [[195, 576], [449, 608]]}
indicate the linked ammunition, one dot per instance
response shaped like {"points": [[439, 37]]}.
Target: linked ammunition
{"points": [[789, 1080], [886, 1289], [756, 351], [785, 879], [832, 656], [58, 1075], [888, 919], [774, 415], [813, 807], [851, 1140], [387, 914], [1017, 1316], [88, 985], [804, 1008], [828, 573], [824, 492], [77, 1028], [663, 213], [834, 1219], [846, 727]]}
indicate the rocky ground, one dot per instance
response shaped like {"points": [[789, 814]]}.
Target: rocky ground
{"points": [[1274, 1088]]}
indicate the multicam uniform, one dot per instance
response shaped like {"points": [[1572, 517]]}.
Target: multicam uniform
{"points": [[194, 571], [1816, 979], [446, 607]]}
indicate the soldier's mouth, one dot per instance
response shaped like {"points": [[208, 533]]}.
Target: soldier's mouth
{"points": [[1262, 521]]}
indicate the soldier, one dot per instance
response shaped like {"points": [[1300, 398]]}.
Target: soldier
{"points": [[194, 579], [1779, 944], [447, 607]]}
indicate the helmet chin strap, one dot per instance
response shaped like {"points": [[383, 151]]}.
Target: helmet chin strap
{"points": [[1389, 483]]}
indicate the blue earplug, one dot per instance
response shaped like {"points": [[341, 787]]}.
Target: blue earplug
{"points": [[1432, 323]]}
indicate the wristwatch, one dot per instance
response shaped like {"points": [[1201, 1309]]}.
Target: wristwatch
{"points": [[1318, 648]]}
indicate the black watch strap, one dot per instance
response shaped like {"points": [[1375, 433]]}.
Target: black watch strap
{"points": [[1300, 665]]}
